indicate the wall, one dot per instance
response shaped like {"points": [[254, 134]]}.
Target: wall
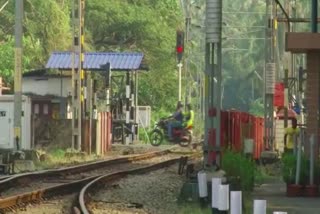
{"points": [[47, 86], [144, 116], [7, 122], [103, 133], [50, 133]]}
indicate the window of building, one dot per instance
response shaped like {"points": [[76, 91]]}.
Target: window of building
{"points": [[36, 108], [45, 109]]}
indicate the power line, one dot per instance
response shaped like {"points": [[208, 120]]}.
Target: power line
{"points": [[244, 27], [242, 12], [244, 38], [4, 5]]}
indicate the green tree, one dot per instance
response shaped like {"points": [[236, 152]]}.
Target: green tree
{"points": [[46, 28], [257, 108], [244, 50], [145, 26], [31, 51], [48, 22]]}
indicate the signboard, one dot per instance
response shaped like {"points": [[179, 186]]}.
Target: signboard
{"points": [[278, 99]]}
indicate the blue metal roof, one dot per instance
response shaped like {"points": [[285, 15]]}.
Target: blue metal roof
{"points": [[93, 61]]}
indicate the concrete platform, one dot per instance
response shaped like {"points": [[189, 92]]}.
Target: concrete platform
{"points": [[275, 194]]}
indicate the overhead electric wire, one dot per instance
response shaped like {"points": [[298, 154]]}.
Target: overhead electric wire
{"points": [[285, 13], [242, 12], [4, 5]]}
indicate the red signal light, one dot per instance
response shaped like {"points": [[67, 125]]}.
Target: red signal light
{"points": [[179, 49]]}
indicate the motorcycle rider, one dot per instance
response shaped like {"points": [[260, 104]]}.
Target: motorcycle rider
{"points": [[188, 117], [177, 120]]}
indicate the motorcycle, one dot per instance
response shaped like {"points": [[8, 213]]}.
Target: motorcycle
{"points": [[181, 136]]}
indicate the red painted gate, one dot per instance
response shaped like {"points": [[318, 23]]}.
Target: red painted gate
{"points": [[104, 136]]}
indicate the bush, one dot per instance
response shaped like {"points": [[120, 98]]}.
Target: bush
{"points": [[289, 164], [236, 165], [157, 115], [144, 135], [57, 153]]}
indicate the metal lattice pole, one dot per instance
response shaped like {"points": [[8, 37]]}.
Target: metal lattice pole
{"points": [[270, 73]]}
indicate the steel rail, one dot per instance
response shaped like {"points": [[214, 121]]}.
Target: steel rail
{"points": [[84, 198], [13, 180], [13, 202], [4, 177]]}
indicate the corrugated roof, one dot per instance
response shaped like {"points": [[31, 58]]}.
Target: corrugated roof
{"points": [[93, 61]]}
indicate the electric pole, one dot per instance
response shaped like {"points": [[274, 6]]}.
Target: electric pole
{"points": [[78, 74], [18, 73], [187, 60]]}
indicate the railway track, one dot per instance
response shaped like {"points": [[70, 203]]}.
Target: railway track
{"points": [[4, 177], [36, 186], [84, 196]]}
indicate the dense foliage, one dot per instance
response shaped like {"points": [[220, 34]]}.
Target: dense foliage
{"points": [[289, 162], [238, 167], [149, 26], [141, 26]]}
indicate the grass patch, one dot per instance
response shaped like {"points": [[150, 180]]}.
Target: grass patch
{"points": [[193, 208], [56, 158], [261, 175], [57, 154]]}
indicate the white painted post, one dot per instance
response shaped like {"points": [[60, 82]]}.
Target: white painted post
{"points": [[215, 183], [180, 68], [260, 207], [223, 204], [202, 184], [236, 202], [1, 86], [128, 136]]}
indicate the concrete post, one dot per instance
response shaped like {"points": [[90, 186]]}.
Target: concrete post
{"points": [[18, 73]]}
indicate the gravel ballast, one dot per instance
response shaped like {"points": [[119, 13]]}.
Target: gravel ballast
{"points": [[155, 192]]}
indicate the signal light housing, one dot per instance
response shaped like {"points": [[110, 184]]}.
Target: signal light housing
{"points": [[180, 45], [107, 73]]}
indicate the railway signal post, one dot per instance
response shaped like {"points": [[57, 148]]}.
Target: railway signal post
{"points": [[180, 50], [213, 82]]}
